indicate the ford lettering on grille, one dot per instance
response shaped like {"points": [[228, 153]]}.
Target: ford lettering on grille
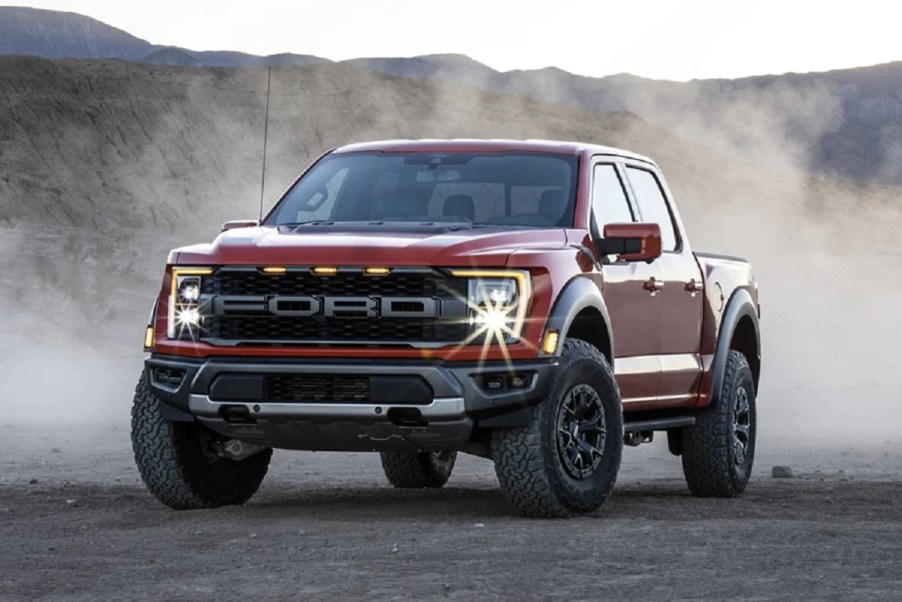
{"points": [[327, 306]]}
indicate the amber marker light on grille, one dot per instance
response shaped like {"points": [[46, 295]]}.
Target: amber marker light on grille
{"points": [[325, 271], [274, 270], [192, 271], [550, 344], [148, 339], [376, 271]]}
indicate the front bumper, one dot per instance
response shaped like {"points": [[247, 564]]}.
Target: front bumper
{"points": [[411, 405]]}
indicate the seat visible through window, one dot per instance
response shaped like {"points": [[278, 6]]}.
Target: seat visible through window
{"points": [[551, 205], [459, 205]]}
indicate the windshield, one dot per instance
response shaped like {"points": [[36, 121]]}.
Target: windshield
{"points": [[468, 189]]}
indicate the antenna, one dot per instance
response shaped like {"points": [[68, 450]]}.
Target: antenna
{"points": [[265, 137]]}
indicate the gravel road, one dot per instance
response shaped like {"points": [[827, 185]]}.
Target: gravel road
{"points": [[76, 523]]}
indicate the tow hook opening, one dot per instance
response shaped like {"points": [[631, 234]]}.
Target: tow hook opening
{"points": [[235, 414], [406, 417], [237, 450]]}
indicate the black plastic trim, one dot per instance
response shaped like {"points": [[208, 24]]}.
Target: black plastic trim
{"points": [[515, 419], [657, 424], [218, 376], [579, 294], [739, 306], [174, 414]]}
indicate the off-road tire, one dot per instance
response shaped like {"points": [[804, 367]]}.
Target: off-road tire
{"points": [[176, 470], [411, 470], [713, 465], [529, 461]]}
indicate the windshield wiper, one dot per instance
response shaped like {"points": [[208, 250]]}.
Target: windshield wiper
{"points": [[313, 222], [433, 223]]}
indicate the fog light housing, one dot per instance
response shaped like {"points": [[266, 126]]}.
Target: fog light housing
{"points": [[168, 377], [493, 383], [519, 381]]}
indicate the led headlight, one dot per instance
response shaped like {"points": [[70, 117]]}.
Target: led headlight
{"points": [[185, 319], [497, 301]]}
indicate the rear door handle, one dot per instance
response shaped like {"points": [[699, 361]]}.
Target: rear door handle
{"points": [[694, 287], [653, 285]]}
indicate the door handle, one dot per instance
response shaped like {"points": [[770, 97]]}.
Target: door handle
{"points": [[653, 285], [694, 287]]}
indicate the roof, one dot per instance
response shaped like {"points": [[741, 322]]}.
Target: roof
{"points": [[496, 146]]}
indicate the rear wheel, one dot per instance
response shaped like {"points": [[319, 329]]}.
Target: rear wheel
{"points": [[565, 462], [719, 450], [411, 470], [182, 464]]}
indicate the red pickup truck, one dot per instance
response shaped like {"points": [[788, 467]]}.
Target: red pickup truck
{"points": [[536, 303]]}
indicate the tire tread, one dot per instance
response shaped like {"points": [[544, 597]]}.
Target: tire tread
{"points": [[161, 448]]}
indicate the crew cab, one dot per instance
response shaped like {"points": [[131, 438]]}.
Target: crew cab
{"points": [[536, 303]]}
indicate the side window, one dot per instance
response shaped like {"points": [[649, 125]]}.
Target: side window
{"points": [[609, 203], [653, 205]]}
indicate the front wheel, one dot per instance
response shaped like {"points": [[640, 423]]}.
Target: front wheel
{"points": [[718, 451], [182, 464], [565, 462]]}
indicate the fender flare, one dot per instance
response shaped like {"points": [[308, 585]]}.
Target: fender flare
{"points": [[577, 295], [739, 306]]}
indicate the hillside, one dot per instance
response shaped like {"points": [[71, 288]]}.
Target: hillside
{"points": [[55, 34], [842, 123]]}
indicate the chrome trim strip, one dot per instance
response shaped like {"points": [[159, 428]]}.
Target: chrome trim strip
{"points": [[441, 409]]}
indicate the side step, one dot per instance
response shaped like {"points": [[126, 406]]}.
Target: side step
{"points": [[658, 424], [638, 432]]}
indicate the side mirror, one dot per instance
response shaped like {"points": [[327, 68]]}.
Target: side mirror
{"points": [[631, 242], [239, 223]]}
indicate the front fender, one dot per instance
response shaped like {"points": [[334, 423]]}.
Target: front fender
{"points": [[577, 295]]}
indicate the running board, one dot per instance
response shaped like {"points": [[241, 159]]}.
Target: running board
{"points": [[658, 424]]}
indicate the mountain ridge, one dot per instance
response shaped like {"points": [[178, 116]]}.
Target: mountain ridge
{"points": [[842, 122]]}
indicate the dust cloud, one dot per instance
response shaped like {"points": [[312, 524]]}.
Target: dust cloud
{"points": [[824, 252], [164, 155]]}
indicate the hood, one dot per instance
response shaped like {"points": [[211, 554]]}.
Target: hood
{"points": [[333, 247]]}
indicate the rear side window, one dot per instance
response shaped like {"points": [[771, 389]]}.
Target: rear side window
{"points": [[653, 205], [609, 201]]}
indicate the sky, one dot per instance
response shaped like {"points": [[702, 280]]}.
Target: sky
{"points": [[676, 39]]}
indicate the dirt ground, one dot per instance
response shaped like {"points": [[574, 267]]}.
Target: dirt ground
{"points": [[76, 523]]}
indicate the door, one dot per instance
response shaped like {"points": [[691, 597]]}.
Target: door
{"points": [[631, 292], [681, 295]]}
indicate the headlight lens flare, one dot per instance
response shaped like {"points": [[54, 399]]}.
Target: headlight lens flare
{"points": [[185, 317], [497, 301]]}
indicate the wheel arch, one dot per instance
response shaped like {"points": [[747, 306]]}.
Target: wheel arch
{"points": [[580, 313], [739, 331]]}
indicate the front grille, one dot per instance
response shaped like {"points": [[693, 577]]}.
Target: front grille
{"points": [[423, 283], [344, 330], [307, 388], [260, 327]]}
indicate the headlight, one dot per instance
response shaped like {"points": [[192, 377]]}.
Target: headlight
{"points": [[497, 301], [185, 319]]}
